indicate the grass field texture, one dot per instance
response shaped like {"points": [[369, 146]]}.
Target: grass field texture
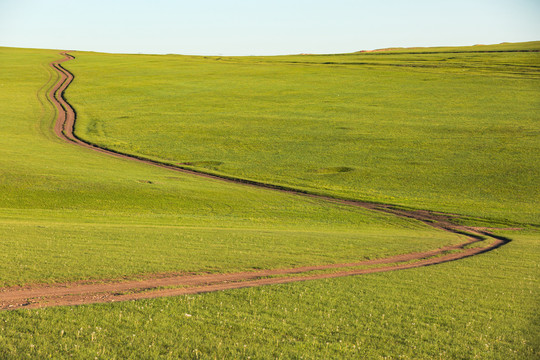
{"points": [[64, 213], [69, 214], [483, 307], [450, 131]]}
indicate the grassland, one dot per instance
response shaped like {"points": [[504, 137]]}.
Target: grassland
{"points": [[483, 307], [70, 214], [464, 123], [64, 213]]}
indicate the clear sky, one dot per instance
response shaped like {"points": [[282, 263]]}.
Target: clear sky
{"points": [[263, 27]]}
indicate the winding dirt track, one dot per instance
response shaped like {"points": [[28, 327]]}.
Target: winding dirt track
{"points": [[76, 293]]}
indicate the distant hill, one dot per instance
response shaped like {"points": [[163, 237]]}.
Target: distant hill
{"points": [[505, 46]]}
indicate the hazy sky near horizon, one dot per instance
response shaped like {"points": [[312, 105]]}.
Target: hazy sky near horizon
{"points": [[261, 27]]}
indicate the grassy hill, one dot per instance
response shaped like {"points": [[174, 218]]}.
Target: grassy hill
{"points": [[68, 213], [448, 131], [459, 136]]}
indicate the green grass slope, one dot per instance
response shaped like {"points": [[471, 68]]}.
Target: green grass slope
{"points": [[483, 307], [453, 130], [68, 213]]}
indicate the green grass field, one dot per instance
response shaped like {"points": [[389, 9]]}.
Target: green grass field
{"points": [[67, 213], [482, 307], [454, 132]]}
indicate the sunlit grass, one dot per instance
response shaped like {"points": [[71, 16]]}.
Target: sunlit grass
{"points": [[483, 307], [67, 213], [445, 131]]}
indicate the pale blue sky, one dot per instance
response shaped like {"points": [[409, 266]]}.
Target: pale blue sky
{"points": [[244, 27]]}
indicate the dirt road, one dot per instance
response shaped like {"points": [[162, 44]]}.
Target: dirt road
{"points": [[158, 285]]}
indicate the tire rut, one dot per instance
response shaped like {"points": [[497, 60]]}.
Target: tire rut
{"points": [[78, 293]]}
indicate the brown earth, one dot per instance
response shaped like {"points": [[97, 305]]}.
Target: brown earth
{"points": [[159, 285]]}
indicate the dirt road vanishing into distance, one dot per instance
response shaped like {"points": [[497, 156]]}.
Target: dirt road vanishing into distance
{"points": [[479, 240]]}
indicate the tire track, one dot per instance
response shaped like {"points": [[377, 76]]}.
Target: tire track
{"points": [[78, 293]]}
